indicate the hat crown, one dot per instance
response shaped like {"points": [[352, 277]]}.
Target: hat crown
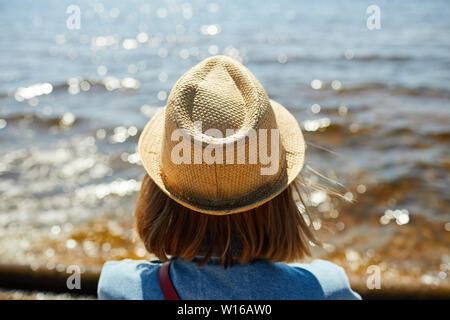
{"points": [[218, 93]]}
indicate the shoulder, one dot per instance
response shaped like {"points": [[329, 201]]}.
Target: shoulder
{"points": [[129, 279], [332, 278]]}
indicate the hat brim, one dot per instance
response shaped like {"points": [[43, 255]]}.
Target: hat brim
{"points": [[149, 148]]}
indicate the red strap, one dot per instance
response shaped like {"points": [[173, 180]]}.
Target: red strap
{"points": [[165, 282]]}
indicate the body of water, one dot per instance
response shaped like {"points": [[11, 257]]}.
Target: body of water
{"points": [[374, 106]]}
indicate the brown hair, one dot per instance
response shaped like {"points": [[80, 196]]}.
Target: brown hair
{"points": [[276, 230]]}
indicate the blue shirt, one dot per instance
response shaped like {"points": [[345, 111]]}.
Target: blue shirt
{"points": [[260, 280]]}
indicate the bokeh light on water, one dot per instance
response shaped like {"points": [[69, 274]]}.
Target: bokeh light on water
{"points": [[374, 107]]}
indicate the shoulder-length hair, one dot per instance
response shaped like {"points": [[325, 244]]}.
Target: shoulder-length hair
{"points": [[276, 231]]}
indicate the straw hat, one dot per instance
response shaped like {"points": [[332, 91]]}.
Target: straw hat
{"points": [[221, 94]]}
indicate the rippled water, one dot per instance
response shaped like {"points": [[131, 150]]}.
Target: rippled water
{"points": [[374, 105]]}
